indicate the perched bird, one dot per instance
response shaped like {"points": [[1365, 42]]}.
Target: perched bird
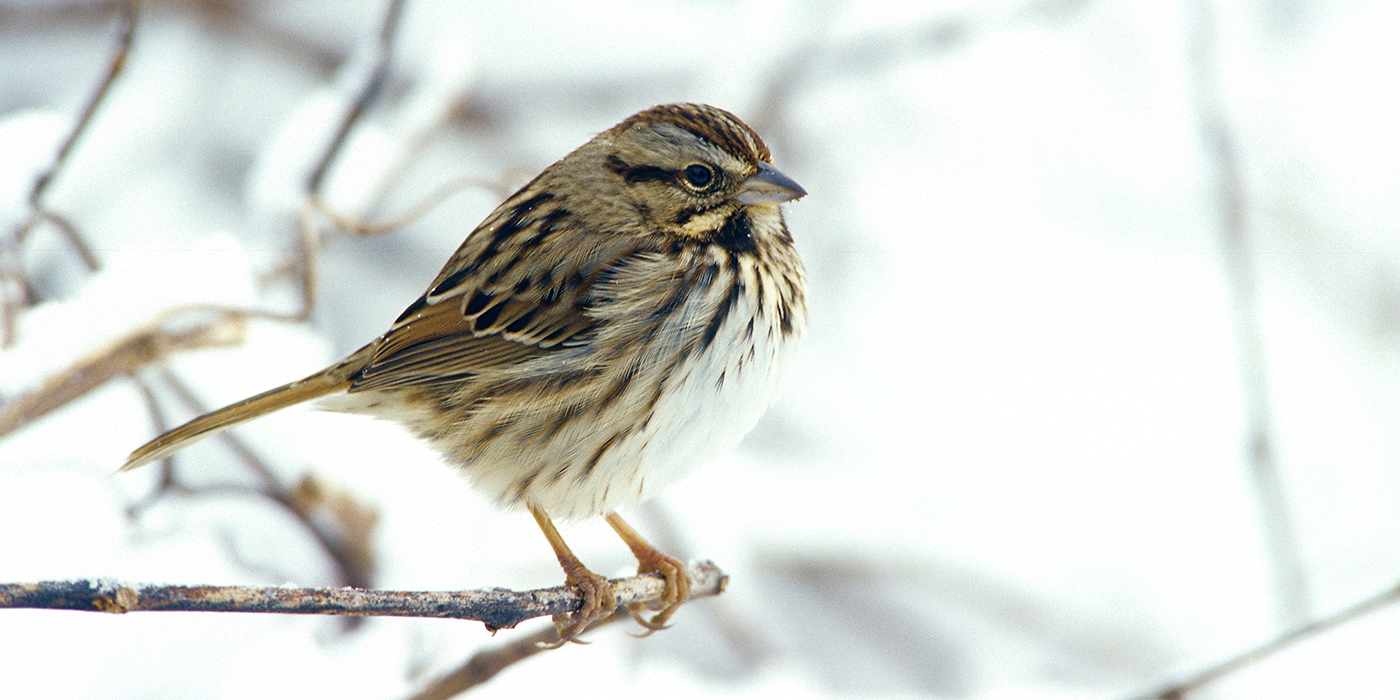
{"points": [[619, 319]]}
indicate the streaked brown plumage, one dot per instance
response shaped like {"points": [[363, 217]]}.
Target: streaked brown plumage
{"points": [[621, 317]]}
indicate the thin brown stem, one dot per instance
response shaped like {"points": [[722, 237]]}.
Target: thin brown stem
{"points": [[1237, 246], [341, 526], [122, 358], [485, 664], [369, 89], [14, 286], [1200, 679], [497, 608], [125, 38]]}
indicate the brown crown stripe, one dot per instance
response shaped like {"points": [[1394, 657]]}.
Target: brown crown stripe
{"points": [[710, 123]]}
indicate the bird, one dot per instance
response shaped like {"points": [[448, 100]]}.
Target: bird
{"points": [[619, 319]]}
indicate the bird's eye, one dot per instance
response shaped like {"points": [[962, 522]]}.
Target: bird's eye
{"points": [[699, 175]]}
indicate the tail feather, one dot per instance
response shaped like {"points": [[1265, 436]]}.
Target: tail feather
{"points": [[322, 383]]}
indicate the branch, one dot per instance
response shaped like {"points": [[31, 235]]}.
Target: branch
{"points": [[1180, 689], [486, 663], [497, 608], [372, 82], [12, 272], [1242, 277], [123, 357]]}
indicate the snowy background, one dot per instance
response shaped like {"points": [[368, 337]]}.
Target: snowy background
{"points": [[1014, 460]]}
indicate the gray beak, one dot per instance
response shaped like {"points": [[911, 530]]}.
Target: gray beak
{"points": [[769, 186]]}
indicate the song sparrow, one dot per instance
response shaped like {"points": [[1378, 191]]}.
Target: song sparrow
{"points": [[621, 317]]}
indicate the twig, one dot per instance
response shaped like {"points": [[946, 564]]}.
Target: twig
{"points": [[151, 342], [485, 664], [1180, 689], [187, 396], [114, 69], [1233, 198], [497, 608], [342, 526], [366, 229], [369, 88], [10, 305], [123, 357], [339, 524]]}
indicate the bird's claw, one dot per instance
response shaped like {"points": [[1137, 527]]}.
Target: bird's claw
{"points": [[598, 601], [672, 571]]}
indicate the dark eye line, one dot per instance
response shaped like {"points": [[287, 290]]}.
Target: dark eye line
{"points": [[633, 174]]}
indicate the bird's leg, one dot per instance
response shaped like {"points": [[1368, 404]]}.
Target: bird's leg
{"points": [[652, 561], [598, 598]]}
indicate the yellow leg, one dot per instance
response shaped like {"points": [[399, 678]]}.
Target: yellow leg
{"points": [[598, 598], [652, 561]]}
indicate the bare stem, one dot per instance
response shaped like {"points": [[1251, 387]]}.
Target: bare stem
{"points": [[497, 608], [369, 89], [12, 273], [485, 664], [147, 344], [1237, 245], [1180, 689], [114, 69]]}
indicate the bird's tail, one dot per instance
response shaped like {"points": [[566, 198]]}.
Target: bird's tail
{"points": [[323, 383]]}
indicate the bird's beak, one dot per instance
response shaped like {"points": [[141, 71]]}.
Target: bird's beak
{"points": [[769, 186]]}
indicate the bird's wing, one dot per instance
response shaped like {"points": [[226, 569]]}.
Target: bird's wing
{"points": [[519, 287]]}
